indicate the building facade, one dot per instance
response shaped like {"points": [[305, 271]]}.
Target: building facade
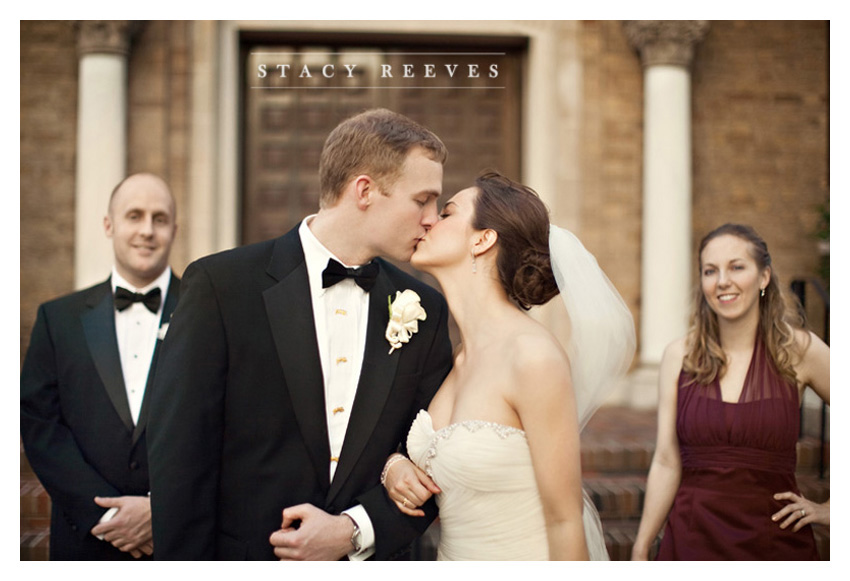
{"points": [[640, 136]]}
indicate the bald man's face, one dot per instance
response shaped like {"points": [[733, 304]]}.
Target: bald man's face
{"points": [[141, 224]]}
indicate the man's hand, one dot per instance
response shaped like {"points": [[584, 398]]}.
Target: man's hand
{"points": [[320, 536], [130, 529]]}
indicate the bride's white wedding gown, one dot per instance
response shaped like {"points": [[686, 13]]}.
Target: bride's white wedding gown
{"points": [[490, 509]]}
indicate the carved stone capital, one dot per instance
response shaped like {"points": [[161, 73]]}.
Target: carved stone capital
{"points": [[665, 42], [104, 36]]}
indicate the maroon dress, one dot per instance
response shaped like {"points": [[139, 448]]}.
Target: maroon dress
{"points": [[735, 457]]}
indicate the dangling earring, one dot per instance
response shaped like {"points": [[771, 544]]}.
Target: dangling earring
{"points": [[762, 292], [474, 268]]}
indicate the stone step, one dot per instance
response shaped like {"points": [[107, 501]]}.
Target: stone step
{"points": [[35, 503], [35, 519], [622, 440], [813, 487], [619, 500], [35, 545], [620, 538], [619, 497], [617, 448], [612, 456], [822, 540]]}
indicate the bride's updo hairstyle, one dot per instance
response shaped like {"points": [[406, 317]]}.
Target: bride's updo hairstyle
{"points": [[521, 220]]}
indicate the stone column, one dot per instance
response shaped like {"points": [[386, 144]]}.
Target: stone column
{"points": [[103, 47], [666, 48]]}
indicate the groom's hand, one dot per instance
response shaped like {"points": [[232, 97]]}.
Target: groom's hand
{"points": [[319, 537]]}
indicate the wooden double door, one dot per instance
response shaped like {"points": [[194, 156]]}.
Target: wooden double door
{"points": [[296, 89]]}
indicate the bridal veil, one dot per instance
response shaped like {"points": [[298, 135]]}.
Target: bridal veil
{"points": [[601, 344]]}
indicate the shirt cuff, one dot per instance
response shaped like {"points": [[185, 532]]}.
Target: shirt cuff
{"points": [[107, 516], [367, 533]]}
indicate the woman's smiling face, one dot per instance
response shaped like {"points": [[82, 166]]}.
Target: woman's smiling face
{"points": [[730, 277]]}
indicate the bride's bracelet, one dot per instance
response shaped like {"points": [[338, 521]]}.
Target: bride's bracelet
{"points": [[392, 460]]}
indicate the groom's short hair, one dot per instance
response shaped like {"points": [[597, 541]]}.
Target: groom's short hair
{"points": [[376, 143]]}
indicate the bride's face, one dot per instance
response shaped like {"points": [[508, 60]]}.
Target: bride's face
{"points": [[449, 241]]}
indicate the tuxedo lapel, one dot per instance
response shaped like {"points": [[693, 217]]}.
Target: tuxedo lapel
{"points": [[290, 311], [99, 328], [167, 310], [373, 388]]}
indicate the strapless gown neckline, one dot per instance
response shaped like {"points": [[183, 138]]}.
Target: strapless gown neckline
{"points": [[490, 508]]}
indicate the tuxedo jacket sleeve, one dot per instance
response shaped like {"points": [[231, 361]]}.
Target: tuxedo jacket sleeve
{"points": [[76, 426], [186, 434], [238, 428]]}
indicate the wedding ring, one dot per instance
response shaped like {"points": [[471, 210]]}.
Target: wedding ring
{"points": [[803, 511], [404, 502]]}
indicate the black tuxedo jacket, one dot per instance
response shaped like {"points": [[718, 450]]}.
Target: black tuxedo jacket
{"points": [[76, 425], [238, 430]]}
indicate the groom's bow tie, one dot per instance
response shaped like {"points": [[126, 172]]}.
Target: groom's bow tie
{"points": [[124, 298], [364, 276]]}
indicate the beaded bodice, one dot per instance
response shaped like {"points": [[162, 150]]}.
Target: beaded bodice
{"points": [[490, 508], [471, 426]]}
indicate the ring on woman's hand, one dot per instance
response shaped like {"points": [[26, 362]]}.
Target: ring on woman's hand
{"points": [[404, 502], [803, 512]]}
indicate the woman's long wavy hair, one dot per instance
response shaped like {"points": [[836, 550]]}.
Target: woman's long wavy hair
{"points": [[704, 359]]}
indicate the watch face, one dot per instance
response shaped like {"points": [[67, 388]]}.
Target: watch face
{"points": [[356, 540]]}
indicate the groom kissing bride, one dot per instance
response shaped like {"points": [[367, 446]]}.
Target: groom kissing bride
{"points": [[277, 390], [295, 368]]}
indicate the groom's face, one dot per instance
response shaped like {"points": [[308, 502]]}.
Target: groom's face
{"points": [[404, 210]]}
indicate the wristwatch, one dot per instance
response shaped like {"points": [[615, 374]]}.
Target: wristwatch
{"points": [[356, 536]]}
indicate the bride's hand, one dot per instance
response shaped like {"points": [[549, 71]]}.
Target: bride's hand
{"points": [[407, 485]]}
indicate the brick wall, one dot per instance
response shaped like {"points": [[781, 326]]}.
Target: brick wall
{"points": [[48, 145], [158, 134], [159, 96], [612, 135], [760, 135], [760, 103], [760, 153]]}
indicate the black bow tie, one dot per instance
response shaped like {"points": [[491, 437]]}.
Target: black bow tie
{"points": [[364, 276], [124, 298]]}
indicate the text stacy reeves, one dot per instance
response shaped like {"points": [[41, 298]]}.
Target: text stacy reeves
{"points": [[405, 71]]}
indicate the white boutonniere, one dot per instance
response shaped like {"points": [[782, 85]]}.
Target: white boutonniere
{"points": [[405, 314], [162, 331]]}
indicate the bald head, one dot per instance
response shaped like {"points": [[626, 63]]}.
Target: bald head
{"points": [[139, 181], [141, 223]]}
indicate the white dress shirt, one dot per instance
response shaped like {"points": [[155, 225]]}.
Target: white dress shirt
{"points": [[136, 329], [341, 314]]}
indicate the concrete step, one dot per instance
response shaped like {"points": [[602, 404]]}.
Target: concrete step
{"points": [[620, 538], [617, 448], [622, 440], [35, 519], [617, 497], [35, 545], [35, 503]]}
